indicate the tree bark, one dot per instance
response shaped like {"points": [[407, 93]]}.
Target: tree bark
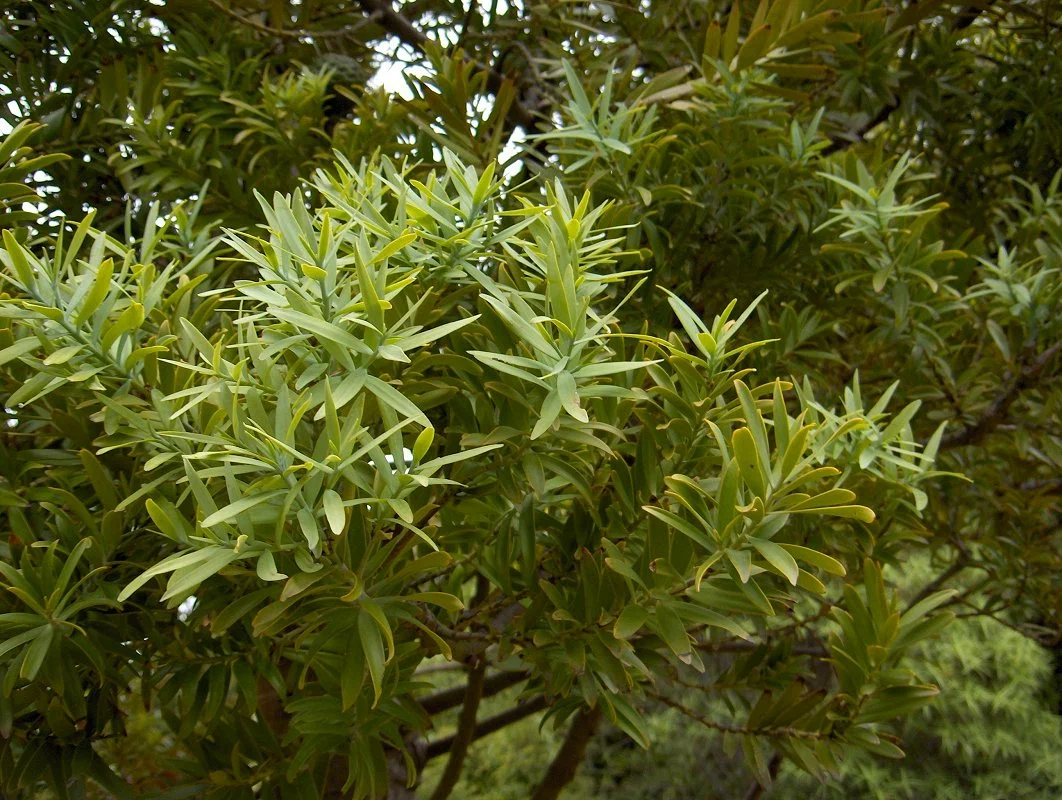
{"points": [[466, 729], [566, 763], [757, 789], [448, 698], [488, 726]]}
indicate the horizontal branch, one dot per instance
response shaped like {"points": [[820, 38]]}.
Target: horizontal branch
{"points": [[776, 732], [743, 647], [451, 698], [489, 726], [293, 33]]}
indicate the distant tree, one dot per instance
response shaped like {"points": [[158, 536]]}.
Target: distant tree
{"points": [[617, 358]]}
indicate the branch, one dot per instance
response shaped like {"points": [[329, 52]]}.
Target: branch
{"points": [[860, 134], [964, 19], [448, 698], [489, 726], [566, 763], [294, 33], [997, 410], [961, 563], [466, 729], [757, 789], [782, 731], [406, 31], [744, 647]]}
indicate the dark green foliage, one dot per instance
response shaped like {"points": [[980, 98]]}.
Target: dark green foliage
{"points": [[629, 356]]}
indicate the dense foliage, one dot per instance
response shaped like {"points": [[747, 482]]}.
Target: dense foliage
{"points": [[612, 367]]}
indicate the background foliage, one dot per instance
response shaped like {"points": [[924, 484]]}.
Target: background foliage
{"points": [[699, 356]]}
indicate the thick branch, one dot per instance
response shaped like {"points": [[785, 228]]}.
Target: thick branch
{"points": [[466, 729], [566, 763], [996, 412], [449, 698], [488, 726]]}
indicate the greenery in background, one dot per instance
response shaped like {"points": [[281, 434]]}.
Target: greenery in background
{"points": [[623, 365], [993, 734]]}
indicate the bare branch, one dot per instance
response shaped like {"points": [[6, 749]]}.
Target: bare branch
{"points": [[567, 760], [489, 726], [466, 729], [449, 698]]}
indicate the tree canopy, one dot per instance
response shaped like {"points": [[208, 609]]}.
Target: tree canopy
{"points": [[619, 358]]}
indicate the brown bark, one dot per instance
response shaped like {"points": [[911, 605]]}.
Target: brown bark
{"points": [[757, 789], [271, 707], [997, 410], [566, 763], [466, 729], [488, 726], [449, 698]]}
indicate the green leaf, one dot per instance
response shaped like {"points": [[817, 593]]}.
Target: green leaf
{"points": [[569, 396], [129, 320], [235, 509], [816, 559], [682, 526], [422, 443], [777, 557], [673, 632], [334, 512], [267, 568], [176, 561], [101, 287], [441, 599], [236, 610], [861, 513], [373, 609], [749, 461], [704, 616], [373, 650], [551, 409], [186, 579], [18, 349], [391, 397], [629, 622], [742, 561]]}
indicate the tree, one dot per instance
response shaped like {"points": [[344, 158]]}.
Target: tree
{"points": [[314, 391]]}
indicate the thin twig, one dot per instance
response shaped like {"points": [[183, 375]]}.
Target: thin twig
{"points": [[996, 412], [406, 31], [294, 33], [795, 733]]}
